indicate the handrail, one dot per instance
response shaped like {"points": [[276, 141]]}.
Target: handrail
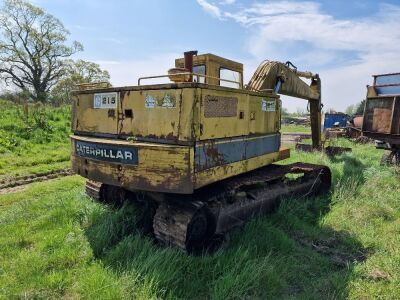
{"points": [[191, 74], [92, 85]]}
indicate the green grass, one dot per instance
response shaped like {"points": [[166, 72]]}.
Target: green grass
{"points": [[35, 142], [57, 243], [296, 128]]}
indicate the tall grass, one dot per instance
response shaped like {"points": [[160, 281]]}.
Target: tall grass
{"points": [[33, 138]]}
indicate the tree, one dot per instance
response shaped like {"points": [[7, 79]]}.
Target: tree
{"points": [[360, 108], [77, 72], [350, 110], [32, 48], [285, 112], [300, 112]]}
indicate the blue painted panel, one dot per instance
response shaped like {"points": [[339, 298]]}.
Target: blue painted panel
{"points": [[261, 146], [388, 79], [331, 119], [106, 152], [388, 90], [216, 153]]}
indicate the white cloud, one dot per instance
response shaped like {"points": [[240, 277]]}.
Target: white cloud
{"points": [[303, 21], [227, 2], [346, 52], [210, 8]]}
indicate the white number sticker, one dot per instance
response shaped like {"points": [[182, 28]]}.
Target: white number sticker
{"points": [[105, 100], [268, 105]]}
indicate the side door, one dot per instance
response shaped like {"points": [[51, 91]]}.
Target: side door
{"points": [[95, 113], [150, 114]]}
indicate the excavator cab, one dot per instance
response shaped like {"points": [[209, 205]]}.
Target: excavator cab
{"points": [[215, 70]]}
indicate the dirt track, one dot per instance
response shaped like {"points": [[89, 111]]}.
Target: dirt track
{"points": [[294, 137], [13, 184]]}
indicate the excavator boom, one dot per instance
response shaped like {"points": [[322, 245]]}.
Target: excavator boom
{"points": [[287, 81]]}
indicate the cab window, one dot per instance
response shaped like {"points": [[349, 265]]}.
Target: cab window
{"points": [[229, 75], [200, 69]]}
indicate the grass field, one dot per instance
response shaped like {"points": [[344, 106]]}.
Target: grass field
{"points": [[57, 243], [33, 142], [295, 128]]}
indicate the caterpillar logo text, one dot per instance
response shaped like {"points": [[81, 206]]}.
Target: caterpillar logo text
{"points": [[119, 154]]}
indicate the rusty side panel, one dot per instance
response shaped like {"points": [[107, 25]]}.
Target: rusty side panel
{"points": [[378, 115], [225, 114], [154, 114], [395, 128], [221, 172], [263, 122], [381, 120], [212, 153], [88, 119], [188, 126], [223, 127], [165, 115]]}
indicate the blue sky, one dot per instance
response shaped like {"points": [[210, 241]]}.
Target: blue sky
{"points": [[344, 41]]}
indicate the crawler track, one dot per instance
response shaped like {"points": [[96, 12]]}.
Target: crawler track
{"points": [[13, 182], [171, 224], [192, 222]]}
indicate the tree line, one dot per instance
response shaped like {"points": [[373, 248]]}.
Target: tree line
{"points": [[35, 56]]}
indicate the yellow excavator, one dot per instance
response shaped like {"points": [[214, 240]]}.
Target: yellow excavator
{"points": [[198, 152]]}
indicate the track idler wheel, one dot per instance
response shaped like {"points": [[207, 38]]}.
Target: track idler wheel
{"points": [[198, 232], [105, 193], [114, 195], [188, 227], [95, 190]]}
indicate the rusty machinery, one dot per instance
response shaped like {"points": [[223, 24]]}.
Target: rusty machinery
{"points": [[199, 152], [381, 120]]}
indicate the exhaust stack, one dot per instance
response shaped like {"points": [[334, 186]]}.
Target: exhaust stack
{"points": [[189, 62]]}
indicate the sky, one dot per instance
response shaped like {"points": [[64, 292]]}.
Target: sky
{"points": [[344, 41]]}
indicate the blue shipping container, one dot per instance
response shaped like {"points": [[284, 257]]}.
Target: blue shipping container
{"points": [[331, 119]]}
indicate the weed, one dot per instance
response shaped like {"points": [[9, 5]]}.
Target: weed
{"points": [[33, 140]]}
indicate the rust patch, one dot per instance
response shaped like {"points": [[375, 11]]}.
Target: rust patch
{"points": [[121, 95], [111, 113], [213, 155], [170, 136], [283, 154], [121, 115], [177, 180]]}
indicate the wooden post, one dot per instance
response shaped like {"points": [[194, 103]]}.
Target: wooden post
{"points": [[315, 115]]}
